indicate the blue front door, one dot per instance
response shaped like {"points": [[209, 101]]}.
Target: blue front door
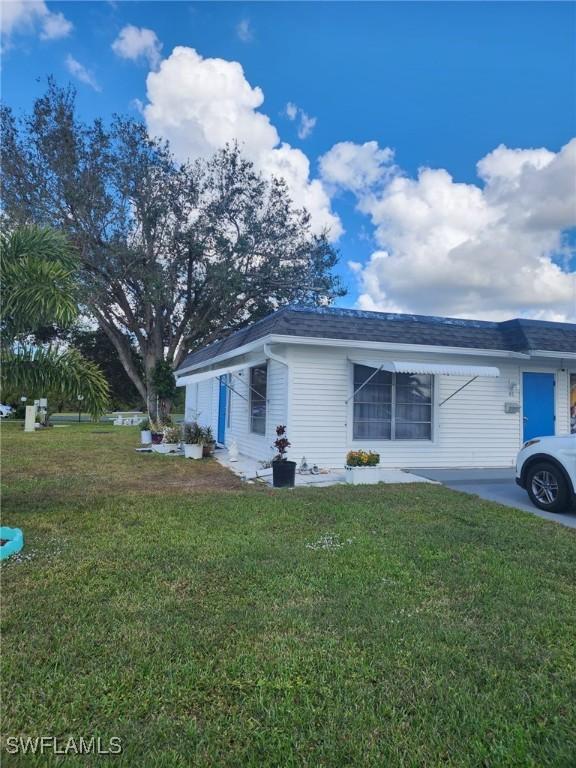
{"points": [[538, 404], [223, 396]]}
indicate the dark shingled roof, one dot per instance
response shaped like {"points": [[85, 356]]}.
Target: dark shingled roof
{"points": [[355, 325]]}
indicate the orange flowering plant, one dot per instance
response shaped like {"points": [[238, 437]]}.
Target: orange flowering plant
{"points": [[362, 459]]}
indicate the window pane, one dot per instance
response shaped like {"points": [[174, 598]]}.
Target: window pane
{"points": [[414, 431], [367, 411], [413, 413], [371, 394], [363, 372], [412, 388], [372, 430], [258, 380], [406, 395], [258, 425]]}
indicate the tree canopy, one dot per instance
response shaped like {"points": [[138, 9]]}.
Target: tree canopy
{"points": [[173, 255]]}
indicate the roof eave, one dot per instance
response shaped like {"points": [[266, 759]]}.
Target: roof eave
{"points": [[383, 345]]}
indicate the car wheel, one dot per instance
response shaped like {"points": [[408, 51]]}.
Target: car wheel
{"points": [[548, 488]]}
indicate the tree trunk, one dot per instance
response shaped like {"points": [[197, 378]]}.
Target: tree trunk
{"points": [[159, 408]]}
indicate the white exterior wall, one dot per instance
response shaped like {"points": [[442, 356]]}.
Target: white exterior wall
{"points": [[470, 430], [202, 399], [309, 396]]}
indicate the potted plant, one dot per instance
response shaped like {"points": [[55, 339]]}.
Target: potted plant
{"points": [[193, 439], [145, 432], [209, 442], [170, 440], [156, 433], [362, 467], [283, 471]]}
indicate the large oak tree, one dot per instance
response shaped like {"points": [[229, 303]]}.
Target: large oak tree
{"points": [[173, 255]]}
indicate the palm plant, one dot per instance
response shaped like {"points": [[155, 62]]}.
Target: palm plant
{"points": [[38, 270]]}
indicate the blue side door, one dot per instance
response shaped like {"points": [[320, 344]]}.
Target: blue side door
{"points": [[222, 399], [538, 404]]}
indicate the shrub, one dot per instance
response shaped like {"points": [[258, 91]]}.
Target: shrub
{"points": [[171, 435], [193, 434], [362, 459], [281, 443]]}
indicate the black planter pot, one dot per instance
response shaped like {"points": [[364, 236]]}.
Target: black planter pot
{"points": [[283, 474]]}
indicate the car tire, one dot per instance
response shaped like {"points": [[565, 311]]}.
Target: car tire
{"points": [[548, 488]]}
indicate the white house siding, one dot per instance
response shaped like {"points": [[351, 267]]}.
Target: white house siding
{"points": [[205, 404], [200, 402], [470, 430]]}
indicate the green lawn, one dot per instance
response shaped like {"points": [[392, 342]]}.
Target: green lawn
{"points": [[209, 624]]}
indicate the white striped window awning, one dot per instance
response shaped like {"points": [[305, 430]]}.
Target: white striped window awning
{"points": [[195, 378], [434, 369]]}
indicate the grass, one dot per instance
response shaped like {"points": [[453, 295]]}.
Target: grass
{"points": [[207, 623]]}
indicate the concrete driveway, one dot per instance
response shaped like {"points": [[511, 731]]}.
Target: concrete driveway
{"points": [[495, 485]]}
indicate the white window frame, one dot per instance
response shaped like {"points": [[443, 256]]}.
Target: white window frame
{"points": [[250, 369], [417, 441]]}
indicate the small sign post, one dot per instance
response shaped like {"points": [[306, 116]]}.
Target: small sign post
{"points": [[30, 418]]}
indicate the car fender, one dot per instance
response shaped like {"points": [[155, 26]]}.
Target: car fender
{"points": [[537, 457]]}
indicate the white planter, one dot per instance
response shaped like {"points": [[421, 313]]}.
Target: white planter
{"points": [[362, 475], [145, 436], [193, 450], [165, 447]]}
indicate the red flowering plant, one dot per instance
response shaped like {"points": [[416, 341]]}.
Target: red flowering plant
{"points": [[281, 443]]}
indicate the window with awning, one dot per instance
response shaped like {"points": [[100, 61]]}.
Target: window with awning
{"points": [[392, 406]]}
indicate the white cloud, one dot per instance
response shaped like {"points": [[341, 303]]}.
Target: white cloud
{"points": [[306, 123], [357, 167], [291, 111], [470, 250], [32, 17], [138, 105], [55, 26], [80, 72], [244, 31], [202, 104], [138, 44]]}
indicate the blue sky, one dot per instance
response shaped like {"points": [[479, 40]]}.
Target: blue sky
{"points": [[441, 85]]}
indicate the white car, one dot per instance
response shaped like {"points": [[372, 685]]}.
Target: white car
{"points": [[546, 469], [5, 410]]}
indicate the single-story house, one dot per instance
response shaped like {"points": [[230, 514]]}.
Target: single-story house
{"points": [[420, 391]]}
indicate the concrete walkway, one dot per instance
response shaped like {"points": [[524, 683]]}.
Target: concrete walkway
{"points": [[251, 470], [494, 485]]}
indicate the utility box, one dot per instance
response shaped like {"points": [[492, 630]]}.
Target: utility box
{"points": [[510, 407]]}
